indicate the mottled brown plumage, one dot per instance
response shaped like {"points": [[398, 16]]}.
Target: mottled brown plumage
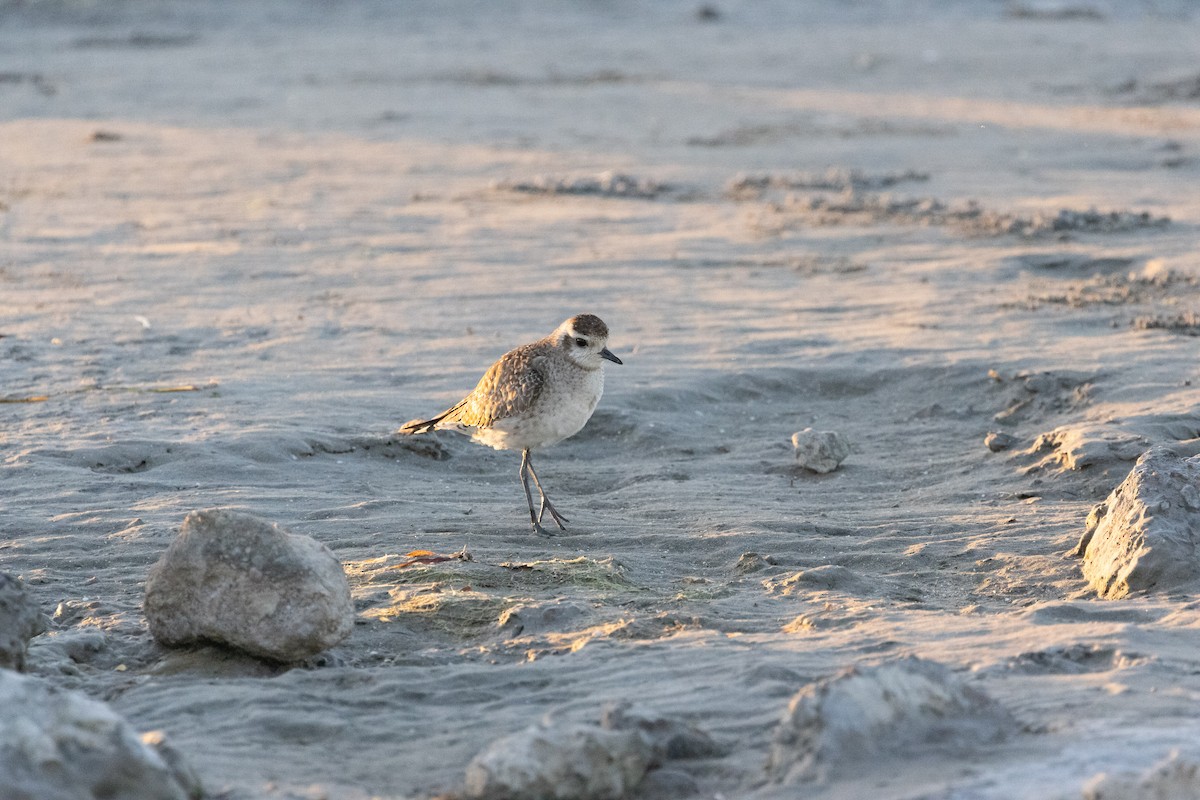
{"points": [[509, 388]]}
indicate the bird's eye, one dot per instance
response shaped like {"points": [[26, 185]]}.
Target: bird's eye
{"points": [[581, 342]]}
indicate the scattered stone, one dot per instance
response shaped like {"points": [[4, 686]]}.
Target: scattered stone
{"points": [[1040, 394], [1074, 659], [997, 441], [1186, 323], [1058, 223], [1073, 265], [1173, 778], [853, 206], [668, 738], [20, 620], [561, 761], [752, 562], [1145, 534], [237, 580], [136, 41], [1053, 10], [1132, 288], [833, 179], [820, 451], [606, 184], [903, 707], [64, 745]]}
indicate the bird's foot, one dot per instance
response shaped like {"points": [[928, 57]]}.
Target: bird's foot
{"points": [[558, 518]]}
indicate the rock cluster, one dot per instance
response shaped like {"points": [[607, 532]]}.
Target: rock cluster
{"points": [[236, 580]]}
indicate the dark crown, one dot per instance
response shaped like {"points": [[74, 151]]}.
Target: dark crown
{"points": [[589, 325]]}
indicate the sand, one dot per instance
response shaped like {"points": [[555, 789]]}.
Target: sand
{"points": [[242, 243]]}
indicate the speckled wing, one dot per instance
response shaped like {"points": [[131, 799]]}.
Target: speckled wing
{"points": [[508, 389]]}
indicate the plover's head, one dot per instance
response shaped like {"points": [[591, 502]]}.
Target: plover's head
{"points": [[584, 338]]}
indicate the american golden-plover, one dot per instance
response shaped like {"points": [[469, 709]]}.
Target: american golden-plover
{"points": [[534, 396]]}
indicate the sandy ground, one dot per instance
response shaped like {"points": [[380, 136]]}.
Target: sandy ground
{"points": [[242, 243]]}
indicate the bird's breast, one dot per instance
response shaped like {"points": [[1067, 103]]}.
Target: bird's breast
{"points": [[562, 409]]}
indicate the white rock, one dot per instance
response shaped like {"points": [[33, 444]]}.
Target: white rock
{"points": [[237, 580], [1145, 535], [908, 706], [62, 745], [20, 620], [559, 762], [820, 451]]}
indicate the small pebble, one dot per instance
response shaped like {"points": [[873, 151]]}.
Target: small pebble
{"points": [[999, 441], [820, 451]]}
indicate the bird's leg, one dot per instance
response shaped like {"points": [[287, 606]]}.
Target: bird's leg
{"points": [[558, 518], [535, 518], [525, 470]]}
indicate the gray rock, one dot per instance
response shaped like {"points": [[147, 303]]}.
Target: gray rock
{"points": [[559, 761], [997, 441], [20, 620], [62, 745], [666, 737], [909, 706], [1173, 778], [1145, 534], [183, 772], [752, 562], [668, 784], [820, 451], [1096, 447], [62, 651], [237, 580]]}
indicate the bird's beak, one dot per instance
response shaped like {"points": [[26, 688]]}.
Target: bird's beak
{"points": [[606, 354]]}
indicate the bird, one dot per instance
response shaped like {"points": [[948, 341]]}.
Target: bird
{"points": [[534, 396]]}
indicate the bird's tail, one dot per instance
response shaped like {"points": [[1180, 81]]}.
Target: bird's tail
{"points": [[417, 426], [413, 427]]}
